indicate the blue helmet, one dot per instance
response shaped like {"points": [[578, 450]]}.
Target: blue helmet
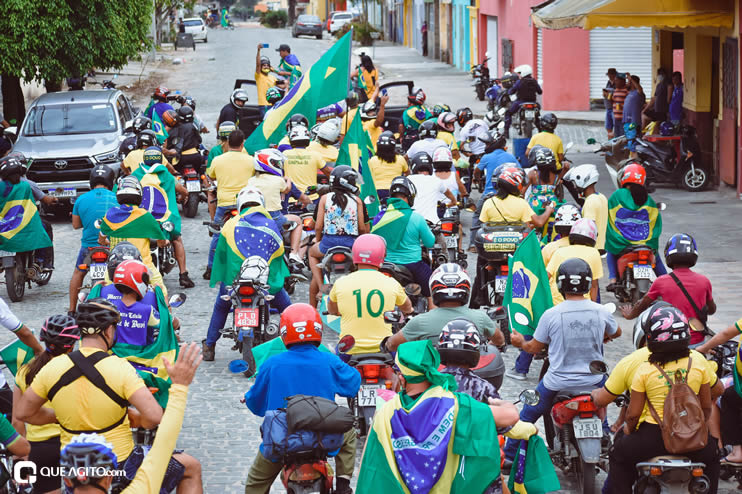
{"points": [[667, 129], [152, 156], [681, 248]]}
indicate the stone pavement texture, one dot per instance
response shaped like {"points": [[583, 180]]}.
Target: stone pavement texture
{"points": [[218, 429]]}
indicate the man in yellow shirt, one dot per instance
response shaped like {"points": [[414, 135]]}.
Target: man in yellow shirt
{"points": [[508, 206], [584, 179], [265, 79], [373, 118], [582, 246], [328, 134], [548, 139], [302, 164], [362, 297], [231, 170], [387, 164]]}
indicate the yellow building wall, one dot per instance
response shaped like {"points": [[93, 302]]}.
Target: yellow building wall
{"points": [[473, 35], [443, 25]]}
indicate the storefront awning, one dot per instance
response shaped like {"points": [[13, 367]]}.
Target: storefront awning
{"points": [[589, 14]]}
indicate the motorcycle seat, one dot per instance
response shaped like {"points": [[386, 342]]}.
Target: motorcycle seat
{"points": [[568, 394], [667, 459], [360, 358]]}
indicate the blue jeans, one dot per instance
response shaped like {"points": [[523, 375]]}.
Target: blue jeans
{"points": [[617, 127], [222, 308], [523, 362], [609, 118], [612, 261], [218, 216]]}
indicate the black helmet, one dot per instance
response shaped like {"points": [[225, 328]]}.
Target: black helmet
{"points": [[95, 315], [543, 158], [421, 162], [403, 185], [188, 101], [352, 99], [450, 283], [129, 191], [102, 175], [428, 129], [574, 277], [463, 115], [641, 325], [493, 140], [548, 122], [344, 178], [146, 138], [297, 119], [185, 114], [386, 142], [460, 343], [141, 123], [11, 169], [59, 333], [123, 251], [667, 330], [681, 249]]}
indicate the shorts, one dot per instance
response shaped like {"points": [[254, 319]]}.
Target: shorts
{"points": [[330, 241], [46, 454], [173, 474], [421, 273], [279, 218], [81, 255], [655, 116]]}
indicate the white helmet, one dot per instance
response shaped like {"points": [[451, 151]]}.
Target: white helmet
{"points": [[269, 161], [442, 155], [585, 227], [249, 195], [582, 176], [524, 70], [567, 215], [329, 131], [368, 110], [299, 134]]}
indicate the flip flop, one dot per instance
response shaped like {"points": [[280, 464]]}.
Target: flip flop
{"points": [[736, 464]]}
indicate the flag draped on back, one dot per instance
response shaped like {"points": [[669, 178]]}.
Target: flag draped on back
{"points": [[355, 151], [527, 291], [393, 223], [533, 471], [15, 354], [159, 128], [20, 225], [128, 221], [254, 233], [158, 195], [630, 224], [324, 83], [291, 64]]}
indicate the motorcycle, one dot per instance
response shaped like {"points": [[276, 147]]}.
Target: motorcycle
{"points": [[307, 472], [22, 268], [526, 118], [337, 262], [192, 182], [449, 228], [96, 265], [376, 374], [404, 277], [481, 74], [674, 159], [163, 257]]}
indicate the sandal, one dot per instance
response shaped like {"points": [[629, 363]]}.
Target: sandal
{"points": [[724, 461]]}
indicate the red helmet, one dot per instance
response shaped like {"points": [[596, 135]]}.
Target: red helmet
{"points": [[133, 275], [512, 176], [301, 323], [633, 173], [161, 93], [369, 249], [170, 118], [417, 96]]}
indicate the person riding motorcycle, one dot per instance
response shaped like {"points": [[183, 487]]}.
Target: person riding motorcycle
{"points": [[140, 321], [526, 89], [428, 188], [544, 183], [231, 111], [446, 123], [139, 124], [582, 181], [582, 237], [294, 120], [145, 139], [305, 370], [564, 218], [182, 142], [160, 106], [386, 164], [302, 163], [508, 205], [428, 142], [361, 297], [328, 134], [416, 113], [548, 139]]}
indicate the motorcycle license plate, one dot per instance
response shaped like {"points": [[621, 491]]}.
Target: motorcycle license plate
{"points": [[60, 192], [98, 271], [500, 283], [367, 395], [501, 241], [5, 253], [193, 186], [452, 242], [530, 114], [246, 318], [587, 428], [644, 272]]}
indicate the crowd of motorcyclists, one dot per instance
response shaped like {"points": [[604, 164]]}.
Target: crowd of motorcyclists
{"points": [[282, 215]]}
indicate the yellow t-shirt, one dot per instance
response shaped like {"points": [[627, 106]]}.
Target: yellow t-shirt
{"points": [[368, 79], [552, 247], [384, 172], [588, 254], [263, 82], [551, 141], [449, 139], [362, 298], [373, 131], [513, 208], [82, 406], [328, 153], [36, 433], [347, 120], [302, 165], [231, 170], [133, 160], [596, 209], [650, 381], [271, 186]]}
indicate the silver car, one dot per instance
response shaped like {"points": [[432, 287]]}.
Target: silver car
{"points": [[65, 134]]}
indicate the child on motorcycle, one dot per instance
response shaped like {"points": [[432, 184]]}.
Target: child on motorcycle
{"points": [[582, 237], [140, 321], [544, 183], [581, 182]]}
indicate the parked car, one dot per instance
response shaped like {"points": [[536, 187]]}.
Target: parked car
{"points": [[339, 19], [307, 24], [197, 28], [329, 18], [65, 134]]}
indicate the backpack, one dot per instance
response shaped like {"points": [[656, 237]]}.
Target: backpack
{"points": [[684, 426], [278, 442], [317, 414]]}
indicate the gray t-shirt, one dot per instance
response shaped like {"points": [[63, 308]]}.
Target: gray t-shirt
{"points": [[574, 331], [429, 325]]}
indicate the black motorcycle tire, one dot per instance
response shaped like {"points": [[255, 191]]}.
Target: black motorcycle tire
{"points": [[480, 91], [693, 182], [45, 277], [247, 356], [526, 128], [585, 473], [642, 288], [190, 208], [15, 279]]}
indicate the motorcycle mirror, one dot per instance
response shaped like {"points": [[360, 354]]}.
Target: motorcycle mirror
{"points": [[501, 112], [392, 316], [530, 397], [661, 206], [598, 367], [82, 296], [177, 299], [346, 343], [238, 366], [521, 318], [609, 307], [591, 140], [369, 200], [413, 289], [168, 226], [568, 146]]}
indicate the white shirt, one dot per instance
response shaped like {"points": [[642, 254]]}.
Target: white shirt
{"points": [[474, 129], [9, 321], [428, 145], [429, 189], [451, 184]]}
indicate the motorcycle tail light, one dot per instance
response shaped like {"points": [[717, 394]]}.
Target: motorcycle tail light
{"points": [[644, 255], [246, 290], [100, 256], [504, 270], [246, 300], [447, 227], [655, 471], [82, 267], [388, 384], [371, 371], [338, 257], [307, 222], [697, 472], [572, 405]]}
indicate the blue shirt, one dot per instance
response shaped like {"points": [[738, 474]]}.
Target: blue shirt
{"points": [[632, 108], [490, 162], [676, 104], [302, 369], [409, 250], [90, 207], [160, 108], [113, 295]]}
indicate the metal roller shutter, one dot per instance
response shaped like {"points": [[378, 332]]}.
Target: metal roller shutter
{"points": [[539, 56], [626, 49]]}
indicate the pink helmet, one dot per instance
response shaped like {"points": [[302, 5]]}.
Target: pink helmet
{"points": [[585, 227], [369, 249], [446, 121]]}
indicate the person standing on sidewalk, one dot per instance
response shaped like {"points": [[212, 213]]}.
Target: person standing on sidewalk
{"points": [[619, 96], [657, 107], [676, 100], [608, 102], [424, 32]]}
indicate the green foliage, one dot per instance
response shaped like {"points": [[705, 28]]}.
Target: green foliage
{"points": [[274, 18], [54, 39], [361, 32]]}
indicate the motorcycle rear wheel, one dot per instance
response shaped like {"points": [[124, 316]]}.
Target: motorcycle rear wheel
{"points": [[480, 91], [15, 279], [190, 208], [585, 473]]}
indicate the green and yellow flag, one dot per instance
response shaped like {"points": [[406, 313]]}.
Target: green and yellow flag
{"points": [[355, 152], [527, 291], [20, 225], [325, 82], [158, 195], [393, 223], [128, 221], [15, 354], [630, 224], [159, 128]]}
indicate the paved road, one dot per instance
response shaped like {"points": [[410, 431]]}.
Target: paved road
{"points": [[220, 431]]}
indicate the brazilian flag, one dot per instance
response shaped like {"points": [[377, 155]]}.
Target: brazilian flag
{"points": [[254, 233], [20, 225], [159, 128], [630, 223], [527, 291], [15, 354], [355, 151], [158, 195], [147, 360], [291, 64], [128, 221], [393, 223], [325, 82]]}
